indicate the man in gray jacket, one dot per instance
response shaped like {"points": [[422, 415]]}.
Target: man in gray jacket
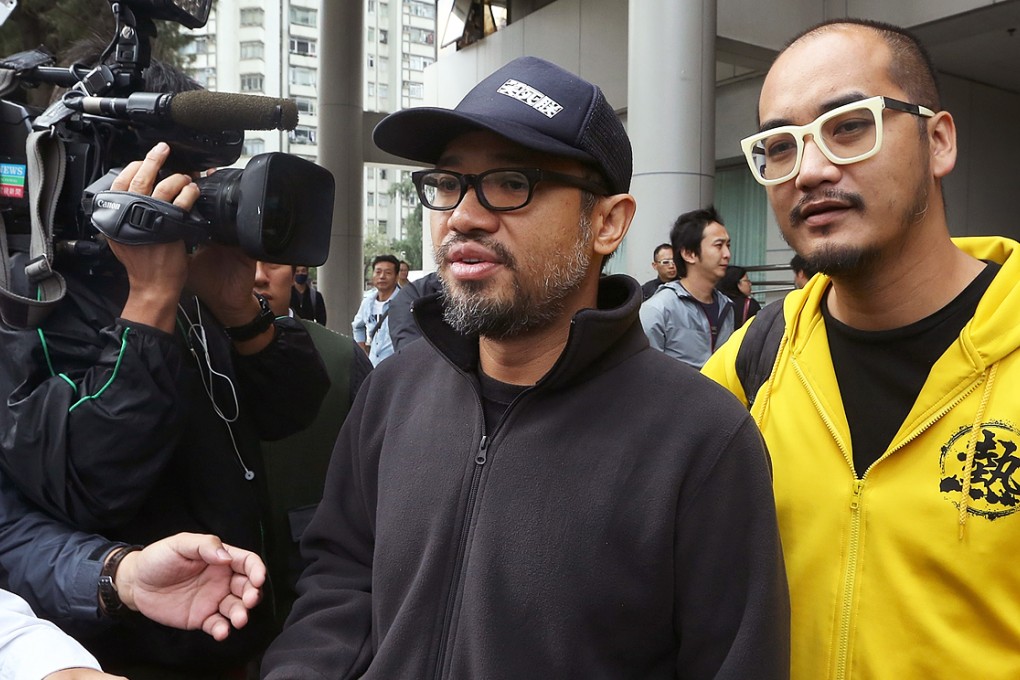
{"points": [[688, 318]]}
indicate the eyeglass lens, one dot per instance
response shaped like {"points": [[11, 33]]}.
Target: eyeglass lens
{"points": [[845, 136], [501, 189]]}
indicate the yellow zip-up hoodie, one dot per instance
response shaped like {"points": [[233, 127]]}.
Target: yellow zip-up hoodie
{"points": [[892, 575]]}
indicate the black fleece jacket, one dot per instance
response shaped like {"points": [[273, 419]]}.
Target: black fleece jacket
{"points": [[107, 426], [617, 522]]}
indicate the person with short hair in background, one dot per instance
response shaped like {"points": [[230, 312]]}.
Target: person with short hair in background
{"points": [[665, 269], [370, 324]]}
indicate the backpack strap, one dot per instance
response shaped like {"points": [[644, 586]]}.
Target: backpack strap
{"points": [[759, 349]]}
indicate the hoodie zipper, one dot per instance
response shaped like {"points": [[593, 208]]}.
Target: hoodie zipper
{"points": [[857, 492], [481, 458]]}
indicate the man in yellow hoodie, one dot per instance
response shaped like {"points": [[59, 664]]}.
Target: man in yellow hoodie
{"points": [[891, 412]]}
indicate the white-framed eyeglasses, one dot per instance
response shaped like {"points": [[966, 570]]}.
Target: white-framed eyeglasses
{"points": [[665, 263], [847, 134]]}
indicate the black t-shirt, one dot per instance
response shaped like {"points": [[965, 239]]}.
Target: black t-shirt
{"points": [[880, 373], [711, 310], [496, 397]]}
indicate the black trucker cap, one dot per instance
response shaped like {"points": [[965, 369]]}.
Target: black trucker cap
{"points": [[531, 102]]}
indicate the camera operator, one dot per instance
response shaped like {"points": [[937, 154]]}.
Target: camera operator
{"points": [[136, 409]]}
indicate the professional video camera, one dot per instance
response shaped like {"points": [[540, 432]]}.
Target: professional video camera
{"points": [[278, 208]]}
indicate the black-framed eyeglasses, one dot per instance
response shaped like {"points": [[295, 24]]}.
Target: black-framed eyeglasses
{"points": [[498, 189], [845, 135]]}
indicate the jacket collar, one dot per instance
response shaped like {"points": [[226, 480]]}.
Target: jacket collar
{"points": [[599, 338], [682, 292]]}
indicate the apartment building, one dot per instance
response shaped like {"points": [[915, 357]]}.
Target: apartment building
{"points": [[271, 47]]}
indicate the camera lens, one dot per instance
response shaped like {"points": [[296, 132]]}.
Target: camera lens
{"points": [[278, 218]]}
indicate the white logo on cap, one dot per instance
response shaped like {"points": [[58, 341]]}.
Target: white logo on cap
{"points": [[523, 92]]}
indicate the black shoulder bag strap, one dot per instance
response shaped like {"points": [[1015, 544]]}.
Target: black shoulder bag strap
{"points": [[380, 323], [759, 349]]}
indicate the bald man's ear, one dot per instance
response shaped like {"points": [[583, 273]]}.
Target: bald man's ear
{"points": [[942, 141], [611, 219]]}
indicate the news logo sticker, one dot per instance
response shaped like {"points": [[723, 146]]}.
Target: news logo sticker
{"points": [[12, 180]]}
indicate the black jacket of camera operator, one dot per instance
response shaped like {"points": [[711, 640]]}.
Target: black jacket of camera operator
{"points": [[113, 427]]}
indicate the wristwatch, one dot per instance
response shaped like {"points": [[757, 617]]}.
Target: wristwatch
{"points": [[256, 326], [109, 598]]}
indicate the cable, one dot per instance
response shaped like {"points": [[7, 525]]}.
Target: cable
{"points": [[194, 332]]}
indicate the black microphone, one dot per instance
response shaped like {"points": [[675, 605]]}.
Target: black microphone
{"points": [[196, 109]]}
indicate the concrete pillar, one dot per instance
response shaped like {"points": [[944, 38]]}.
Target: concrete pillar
{"points": [[341, 57], [670, 119]]}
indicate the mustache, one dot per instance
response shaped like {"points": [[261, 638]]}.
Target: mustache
{"points": [[490, 244], [851, 199]]}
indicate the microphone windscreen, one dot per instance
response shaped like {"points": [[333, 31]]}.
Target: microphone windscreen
{"points": [[218, 111]]}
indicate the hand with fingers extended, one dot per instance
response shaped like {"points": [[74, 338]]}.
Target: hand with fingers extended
{"points": [[192, 581], [157, 272]]}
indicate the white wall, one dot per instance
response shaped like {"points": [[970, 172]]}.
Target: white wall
{"points": [[589, 37]]}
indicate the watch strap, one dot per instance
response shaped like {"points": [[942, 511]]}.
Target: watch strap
{"points": [[257, 326], [109, 598]]}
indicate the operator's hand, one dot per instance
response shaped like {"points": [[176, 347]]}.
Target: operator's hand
{"points": [[223, 277], [192, 581], [156, 273], [82, 674]]}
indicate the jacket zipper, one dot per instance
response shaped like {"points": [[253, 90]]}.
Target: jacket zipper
{"points": [[849, 580], [476, 474]]}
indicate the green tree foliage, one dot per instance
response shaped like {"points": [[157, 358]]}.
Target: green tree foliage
{"points": [[411, 245], [409, 248], [58, 24]]}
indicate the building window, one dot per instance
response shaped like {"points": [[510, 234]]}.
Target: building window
{"points": [[371, 34], [415, 90], [384, 200], [384, 36], [304, 16], [206, 77], [252, 49], [418, 63], [371, 61], [370, 199], [302, 75], [303, 134], [371, 89], [370, 171], [251, 82], [306, 46], [420, 35], [306, 105], [420, 9], [384, 90], [384, 10], [382, 173], [253, 147], [196, 45], [252, 16], [371, 6], [383, 224]]}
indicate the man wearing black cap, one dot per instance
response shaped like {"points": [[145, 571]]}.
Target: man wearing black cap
{"points": [[503, 500]]}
